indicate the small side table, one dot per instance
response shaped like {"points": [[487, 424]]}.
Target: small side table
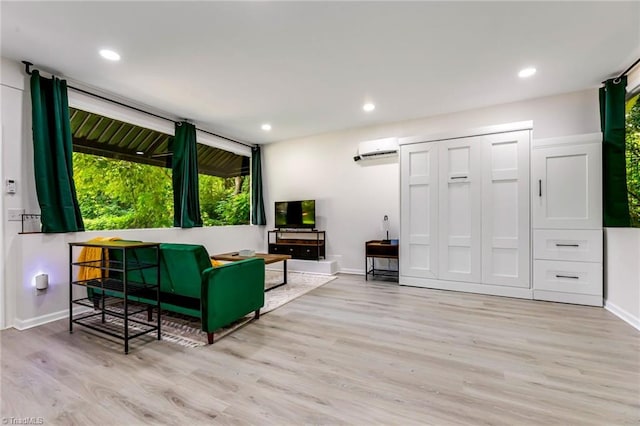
{"points": [[379, 249]]}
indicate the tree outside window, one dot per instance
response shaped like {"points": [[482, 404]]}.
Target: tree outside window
{"points": [[633, 158]]}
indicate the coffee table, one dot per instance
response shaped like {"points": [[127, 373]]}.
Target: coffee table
{"points": [[268, 259]]}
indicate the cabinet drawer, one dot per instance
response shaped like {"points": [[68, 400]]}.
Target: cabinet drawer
{"points": [[580, 245], [277, 249], [567, 277], [308, 252]]}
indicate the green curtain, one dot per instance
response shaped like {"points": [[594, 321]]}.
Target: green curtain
{"points": [[184, 162], [52, 155], [612, 117], [257, 204]]}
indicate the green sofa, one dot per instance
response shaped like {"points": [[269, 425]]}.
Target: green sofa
{"points": [[189, 285]]}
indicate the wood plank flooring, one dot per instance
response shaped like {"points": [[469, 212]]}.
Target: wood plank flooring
{"points": [[350, 352]]}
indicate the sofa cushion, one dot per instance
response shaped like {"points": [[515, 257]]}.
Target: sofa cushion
{"points": [[182, 267]]}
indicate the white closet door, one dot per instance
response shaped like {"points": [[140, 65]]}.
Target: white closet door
{"points": [[505, 209], [567, 187], [419, 210], [460, 206]]}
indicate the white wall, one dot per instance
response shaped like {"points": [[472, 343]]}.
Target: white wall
{"points": [[24, 256], [622, 273], [352, 197], [16, 152]]}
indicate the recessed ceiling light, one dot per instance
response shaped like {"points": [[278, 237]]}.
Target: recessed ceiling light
{"points": [[266, 127], [110, 55], [368, 107], [140, 152], [527, 72]]}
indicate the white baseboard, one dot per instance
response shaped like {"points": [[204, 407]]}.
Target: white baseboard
{"points": [[622, 314], [572, 298], [493, 290], [43, 319], [352, 271], [319, 267]]}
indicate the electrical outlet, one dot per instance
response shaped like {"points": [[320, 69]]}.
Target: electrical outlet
{"points": [[15, 214]]}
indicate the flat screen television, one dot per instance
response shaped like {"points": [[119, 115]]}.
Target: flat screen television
{"points": [[296, 214]]}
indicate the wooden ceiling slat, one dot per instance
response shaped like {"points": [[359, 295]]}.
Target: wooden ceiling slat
{"points": [[134, 140], [103, 136], [157, 142], [83, 123], [123, 140], [94, 127], [143, 145]]}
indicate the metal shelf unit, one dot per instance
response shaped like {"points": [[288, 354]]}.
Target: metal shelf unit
{"points": [[111, 290]]}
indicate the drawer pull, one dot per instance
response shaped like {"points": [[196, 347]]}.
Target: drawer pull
{"points": [[567, 276], [567, 245], [458, 177]]}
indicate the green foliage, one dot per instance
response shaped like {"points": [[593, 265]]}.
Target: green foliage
{"points": [[633, 159], [221, 203], [117, 194]]}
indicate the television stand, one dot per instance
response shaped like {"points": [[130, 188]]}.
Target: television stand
{"points": [[306, 244]]}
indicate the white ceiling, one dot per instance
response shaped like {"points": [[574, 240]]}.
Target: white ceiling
{"points": [[308, 67]]}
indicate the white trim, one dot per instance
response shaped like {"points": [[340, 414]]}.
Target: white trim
{"points": [[351, 271], [622, 314], [44, 319], [568, 140], [571, 298], [477, 131], [494, 290], [221, 143]]}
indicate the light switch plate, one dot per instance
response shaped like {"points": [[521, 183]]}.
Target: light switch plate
{"points": [[15, 214]]}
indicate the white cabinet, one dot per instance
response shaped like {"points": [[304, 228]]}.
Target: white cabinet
{"points": [[465, 214], [567, 192], [566, 204], [419, 215]]}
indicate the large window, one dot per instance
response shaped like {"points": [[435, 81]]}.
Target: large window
{"points": [[123, 177], [121, 194], [633, 158]]}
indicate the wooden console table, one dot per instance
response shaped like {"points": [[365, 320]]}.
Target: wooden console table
{"points": [[379, 249]]}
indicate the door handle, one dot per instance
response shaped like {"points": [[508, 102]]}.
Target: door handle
{"points": [[567, 245], [539, 187], [567, 276]]}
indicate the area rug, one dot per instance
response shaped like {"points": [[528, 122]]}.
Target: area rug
{"points": [[186, 331]]}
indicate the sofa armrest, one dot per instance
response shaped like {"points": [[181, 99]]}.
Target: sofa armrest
{"points": [[231, 291]]}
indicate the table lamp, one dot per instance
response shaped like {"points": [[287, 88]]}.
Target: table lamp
{"points": [[385, 228]]}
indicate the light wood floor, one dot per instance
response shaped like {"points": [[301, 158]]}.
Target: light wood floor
{"points": [[350, 352]]}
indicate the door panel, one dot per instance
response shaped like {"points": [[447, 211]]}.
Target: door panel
{"points": [[567, 187], [419, 214], [459, 210], [505, 209]]}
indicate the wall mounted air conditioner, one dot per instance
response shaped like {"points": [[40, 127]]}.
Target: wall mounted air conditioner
{"points": [[378, 148]]}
